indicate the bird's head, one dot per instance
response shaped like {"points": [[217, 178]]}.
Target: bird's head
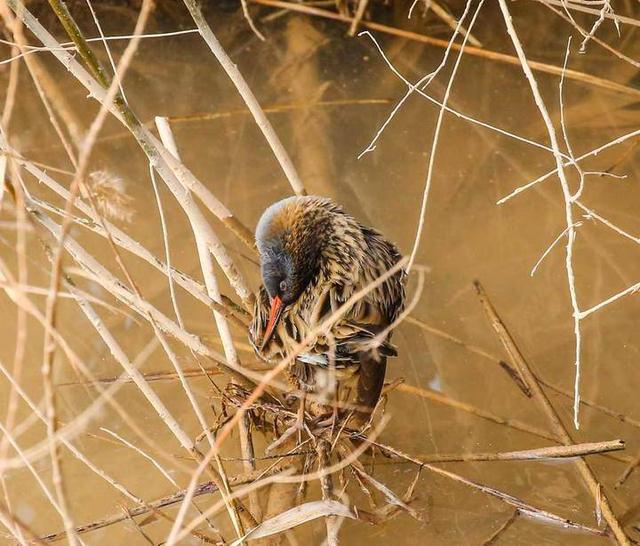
{"points": [[291, 237]]}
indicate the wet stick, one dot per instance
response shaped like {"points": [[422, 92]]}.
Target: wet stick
{"points": [[493, 539], [558, 428]]}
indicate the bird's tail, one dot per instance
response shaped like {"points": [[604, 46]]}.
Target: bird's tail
{"points": [[373, 367]]}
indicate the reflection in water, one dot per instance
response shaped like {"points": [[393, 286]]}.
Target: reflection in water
{"points": [[326, 96]]}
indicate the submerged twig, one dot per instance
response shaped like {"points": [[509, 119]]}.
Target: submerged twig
{"points": [[558, 428]]}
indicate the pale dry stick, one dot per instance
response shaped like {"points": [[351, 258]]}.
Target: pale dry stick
{"points": [[556, 423], [446, 17], [174, 173], [578, 7], [143, 454], [551, 247], [206, 265], [627, 472], [538, 454], [592, 214], [20, 340], [357, 17], [162, 411], [40, 78], [79, 455], [21, 324], [167, 252], [206, 488], [448, 108], [121, 238], [205, 238], [271, 375], [578, 193], [40, 291], [434, 143], [12, 87], [597, 40], [247, 95], [76, 453], [223, 327], [108, 49], [590, 404], [470, 50], [631, 290], [567, 196], [247, 16], [419, 86], [592, 153], [496, 360], [43, 486], [70, 46], [66, 434], [144, 308], [604, 11]]}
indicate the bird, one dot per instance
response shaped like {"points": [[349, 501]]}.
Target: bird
{"points": [[314, 256]]}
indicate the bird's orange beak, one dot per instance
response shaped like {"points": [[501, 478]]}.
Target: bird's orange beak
{"points": [[274, 316]]}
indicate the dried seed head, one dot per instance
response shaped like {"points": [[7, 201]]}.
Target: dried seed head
{"points": [[110, 195]]}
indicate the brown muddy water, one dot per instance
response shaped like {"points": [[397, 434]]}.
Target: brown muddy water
{"points": [[327, 95]]}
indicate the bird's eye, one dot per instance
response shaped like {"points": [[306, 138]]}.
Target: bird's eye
{"points": [[283, 286]]}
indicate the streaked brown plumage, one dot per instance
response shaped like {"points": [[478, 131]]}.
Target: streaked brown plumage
{"points": [[314, 257]]}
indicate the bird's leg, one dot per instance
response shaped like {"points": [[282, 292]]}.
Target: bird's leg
{"points": [[301, 407]]}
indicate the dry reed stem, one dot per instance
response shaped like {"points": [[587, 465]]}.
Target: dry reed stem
{"points": [[79, 455], [203, 247], [122, 239], [206, 488], [174, 173], [470, 50], [247, 95], [106, 395], [21, 318], [556, 424], [82, 166]]}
